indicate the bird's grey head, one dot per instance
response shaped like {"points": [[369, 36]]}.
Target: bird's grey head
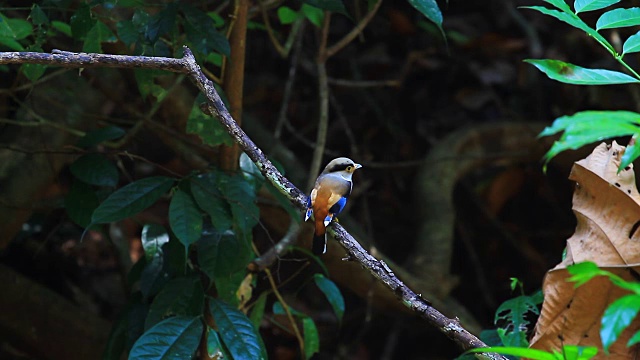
{"points": [[341, 166]]}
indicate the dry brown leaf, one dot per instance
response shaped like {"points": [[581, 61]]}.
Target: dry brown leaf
{"points": [[607, 208]]}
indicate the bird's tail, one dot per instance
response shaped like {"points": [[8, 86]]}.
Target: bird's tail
{"points": [[319, 245]]}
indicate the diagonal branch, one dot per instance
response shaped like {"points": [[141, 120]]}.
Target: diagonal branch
{"points": [[187, 65]]}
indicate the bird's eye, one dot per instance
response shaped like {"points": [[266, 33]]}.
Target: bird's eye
{"points": [[349, 168]]}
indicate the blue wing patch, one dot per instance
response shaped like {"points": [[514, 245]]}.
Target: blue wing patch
{"points": [[337, 207], [309, 209]]}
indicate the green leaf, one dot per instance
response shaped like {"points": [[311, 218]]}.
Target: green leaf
{"points": [[80, 202], [257, 312], [16, 29], [238, 335], [185, 218], [586, 127], [167, 263], [574, 352], [333, 294], [95, 137], [573, 74], [568, 17], [161, 23], [215, 349], [634, 339], [590, 5], [313, 14], [131, 199], [98, 34], [329, 5], [631, 153], [632, 44], [12, 30], [514, 313], [241, 197], [201, 31], [287, 15], [37, 16], [250, 172], [430, 9], [516, 351], [95, 169], [153, 237], [617, 317], [560, 4], [222, 254], [311, 337], [33, 72], [146, 84], [206, 127], [62, 27], [81, 22], [618, 18], [205, 191], [180, 296], [174, 338], [127, 32]]}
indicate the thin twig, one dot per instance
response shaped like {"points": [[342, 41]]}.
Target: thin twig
{"points": [[347, 39], [294, 325]]}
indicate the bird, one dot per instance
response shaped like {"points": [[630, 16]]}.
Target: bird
{"points": [[328, 198]]}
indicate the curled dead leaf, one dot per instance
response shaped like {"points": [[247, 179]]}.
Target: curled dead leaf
{"points": [[607, 207]]}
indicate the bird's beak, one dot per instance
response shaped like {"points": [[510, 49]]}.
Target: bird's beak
{"points": [[357, 166]]}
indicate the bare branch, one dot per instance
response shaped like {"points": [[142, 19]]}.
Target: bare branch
{"points": [[215, 106]]}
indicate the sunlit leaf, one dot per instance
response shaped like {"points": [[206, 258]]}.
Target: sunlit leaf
{"points": [[560, 4], [185, 218], [534, 354], [631, 153], [174, 338], [131, 199], [617, 317], [95, 169], [632, 44], [590, 5], [239, 335], [618, 18], [586, 127], [573, 20], [634, 339], [573, 74]]}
